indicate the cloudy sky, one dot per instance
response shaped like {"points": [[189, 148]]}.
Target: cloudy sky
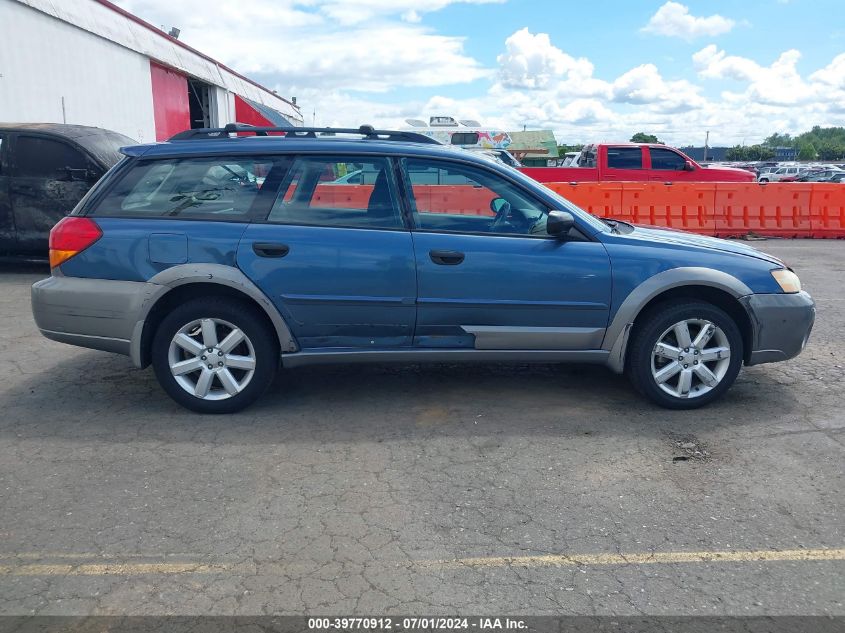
{"points": [[597, 70]]}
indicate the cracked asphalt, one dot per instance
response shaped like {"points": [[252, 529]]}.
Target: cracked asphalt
{"points": [[422, 489]]}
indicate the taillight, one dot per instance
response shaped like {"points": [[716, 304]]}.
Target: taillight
{"points": [[70, 236]]}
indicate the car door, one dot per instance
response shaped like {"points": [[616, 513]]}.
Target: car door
{"points": [[488, 275], [623, 162], [7, 220], [49, 176], [668, 166], [335, 257]]}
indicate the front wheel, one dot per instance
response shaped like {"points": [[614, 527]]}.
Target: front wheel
{"points": [[684, 356], [214, 355]]}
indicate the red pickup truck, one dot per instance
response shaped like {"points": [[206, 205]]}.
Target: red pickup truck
{"points": [[636, 162]]}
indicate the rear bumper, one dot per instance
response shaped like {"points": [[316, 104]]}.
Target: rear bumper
{"points": [[96, 313], [781, 325]]}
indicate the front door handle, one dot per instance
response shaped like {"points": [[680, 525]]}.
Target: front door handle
{"points": [[267, 249], [446, 258]]}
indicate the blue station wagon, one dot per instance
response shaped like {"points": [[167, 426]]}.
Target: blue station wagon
{"points": [[224, 254]]}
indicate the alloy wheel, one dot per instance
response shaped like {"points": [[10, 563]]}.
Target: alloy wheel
{"points": [[211, 359], [690, 358]]}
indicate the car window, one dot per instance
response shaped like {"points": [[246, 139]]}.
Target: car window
{"points": [[453, 197], [624, 158], [41, 157], [587, 157], [214, 188], [335, 191], [666, 159], [2, 139]]}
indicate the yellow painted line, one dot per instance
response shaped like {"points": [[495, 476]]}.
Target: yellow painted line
{"points": [[117, 568], [113, 569], [649, 558]]}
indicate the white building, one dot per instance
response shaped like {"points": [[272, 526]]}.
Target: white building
{"points": [[90, 62]]}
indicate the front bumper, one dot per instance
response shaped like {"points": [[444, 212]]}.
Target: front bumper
{"points": [[96, 313], [781, 325]]}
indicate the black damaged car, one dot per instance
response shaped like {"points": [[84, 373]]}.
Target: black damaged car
{"points": [[45, 169]]}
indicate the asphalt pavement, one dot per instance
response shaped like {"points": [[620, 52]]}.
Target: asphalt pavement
{"points": [[440, 489]]}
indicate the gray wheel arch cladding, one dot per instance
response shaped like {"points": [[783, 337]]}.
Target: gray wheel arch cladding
{"points": [[616, 337], [217, 274]]}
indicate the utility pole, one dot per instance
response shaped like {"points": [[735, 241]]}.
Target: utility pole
{"points": [[706, 141]]}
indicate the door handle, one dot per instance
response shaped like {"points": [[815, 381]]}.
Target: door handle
{"points": [[267, 249], [446, 258]]}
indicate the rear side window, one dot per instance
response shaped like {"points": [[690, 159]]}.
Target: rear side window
{"points": [[326, 191], [666, 159], [624, 158], [209, 188], [40, 157]]}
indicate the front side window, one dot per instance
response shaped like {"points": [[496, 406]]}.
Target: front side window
{"points": [[213, 188], [462, 198], [347, 192], [666, 159], [624, 158], [41, 157]]}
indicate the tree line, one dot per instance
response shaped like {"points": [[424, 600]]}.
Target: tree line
{"points": [[819, 143]]}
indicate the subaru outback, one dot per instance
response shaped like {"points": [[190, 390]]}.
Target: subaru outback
{"points": [[222, 255]]}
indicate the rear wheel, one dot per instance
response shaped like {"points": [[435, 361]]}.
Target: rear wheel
{"points": [[684, 356], [214, 355]]}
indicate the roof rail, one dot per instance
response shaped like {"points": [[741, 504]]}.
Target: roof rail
{"points": [[366, 131]]}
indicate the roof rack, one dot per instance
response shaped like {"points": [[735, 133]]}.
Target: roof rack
{"points": [[368, 132]]}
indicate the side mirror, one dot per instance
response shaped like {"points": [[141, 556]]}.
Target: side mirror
{"points": [[559, 222], [688, 166], [497, 204]]}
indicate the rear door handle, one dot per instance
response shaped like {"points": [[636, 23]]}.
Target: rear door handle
{"points": [[446, 258], [268, 249]]}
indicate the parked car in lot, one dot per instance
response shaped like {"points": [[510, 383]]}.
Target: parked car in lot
{"points": [[782, 173], [820, 175], [636, 162], [218, 258], [45, 169]]}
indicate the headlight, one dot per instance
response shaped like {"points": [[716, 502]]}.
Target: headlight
{"points": [[787, 280]]}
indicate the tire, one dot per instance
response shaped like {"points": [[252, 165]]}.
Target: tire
{"points": [[237, 370], [655, 343]]}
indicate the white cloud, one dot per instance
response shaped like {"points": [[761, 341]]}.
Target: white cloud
{"points": [[532, 61], [360, 11], [777, 84], [303, 43], [644, 85], [392, 66], [833, 74], [673, 19]]}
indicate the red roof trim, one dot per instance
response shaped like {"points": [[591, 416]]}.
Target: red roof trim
{"points": [[158, 31]]}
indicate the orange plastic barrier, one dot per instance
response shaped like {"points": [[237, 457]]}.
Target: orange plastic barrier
{"points": [[330, 195], [455, 199], [716, 208], [685, 206], [724, 209], [827, 210], [777, 210], [600, 199]]}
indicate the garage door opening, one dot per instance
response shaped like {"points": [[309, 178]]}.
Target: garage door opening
{"points": [[199, 100]]}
